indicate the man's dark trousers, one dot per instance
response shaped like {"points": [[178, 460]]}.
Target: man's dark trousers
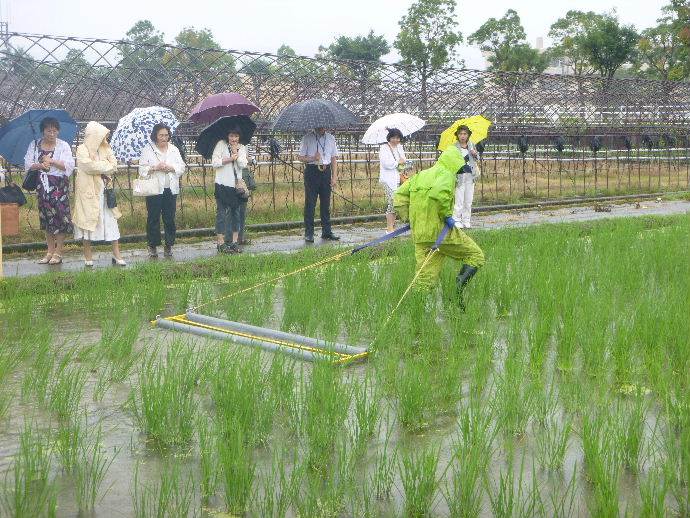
{"points": [[317, 184]]}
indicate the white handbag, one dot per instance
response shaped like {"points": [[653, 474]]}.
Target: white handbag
{"points": [[145, 187]]}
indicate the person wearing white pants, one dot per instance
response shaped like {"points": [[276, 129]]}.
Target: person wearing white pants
{"points": [[464, 188]]}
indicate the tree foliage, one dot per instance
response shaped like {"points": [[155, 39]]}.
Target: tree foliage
{"points": [[428, 39], [505, 40], [567, 34], [608, 45]]}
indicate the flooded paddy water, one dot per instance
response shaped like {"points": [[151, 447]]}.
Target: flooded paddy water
{"points": [[560, 392]]}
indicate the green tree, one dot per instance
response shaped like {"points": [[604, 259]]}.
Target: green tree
{"points": [[142, 53], [505, 40], [567, 34], [259, 71], [363, 55], [428, 41], [608, 45]]}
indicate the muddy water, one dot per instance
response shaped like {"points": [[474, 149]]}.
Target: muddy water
{"points": [[123, 440]]}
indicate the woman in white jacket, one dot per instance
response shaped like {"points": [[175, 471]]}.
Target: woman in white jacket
{"points": [[464, 190], [162, 160], [93, 219], [392, 160], [228, 159]]}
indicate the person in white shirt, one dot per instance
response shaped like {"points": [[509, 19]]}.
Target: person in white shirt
{"points": [[53, 160], [464, 189], [162, 160], [319, 152], [392, 159], [228, 159]]}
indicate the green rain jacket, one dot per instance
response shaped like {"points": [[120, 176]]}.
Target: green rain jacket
{"points": [[426, 199]]}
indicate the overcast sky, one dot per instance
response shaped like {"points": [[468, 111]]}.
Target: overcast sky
{"points": [[264, 25]]}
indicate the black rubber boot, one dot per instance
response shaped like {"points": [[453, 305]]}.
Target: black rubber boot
{"points": [[466, 273]]}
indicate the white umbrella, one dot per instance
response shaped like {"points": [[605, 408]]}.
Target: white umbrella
{"points": [[406, 123]]}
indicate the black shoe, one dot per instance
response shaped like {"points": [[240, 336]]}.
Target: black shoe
{"points": [[230, 248], [245, 242], [167, 251], [309, 239], [331, 237], [464, 276], [153, 252]]}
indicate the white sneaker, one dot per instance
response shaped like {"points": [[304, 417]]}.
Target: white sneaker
{"points": [[118, 262], [88, 263]]}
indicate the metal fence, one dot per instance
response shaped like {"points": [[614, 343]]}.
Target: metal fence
{"points": [[542, 144]]}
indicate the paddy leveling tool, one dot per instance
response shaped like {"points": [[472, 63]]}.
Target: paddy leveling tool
{"points": [[302, 347]]}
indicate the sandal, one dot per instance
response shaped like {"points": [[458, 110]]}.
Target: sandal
{"points": [[46, 259], [56, 259]]}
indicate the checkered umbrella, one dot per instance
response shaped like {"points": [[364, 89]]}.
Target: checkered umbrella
{"points": [[314, 113], [133, 131]]}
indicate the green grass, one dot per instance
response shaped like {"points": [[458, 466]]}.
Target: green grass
{"points": [[561, 391]]}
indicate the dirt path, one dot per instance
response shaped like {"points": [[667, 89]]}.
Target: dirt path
{"points": [[291, 241]]}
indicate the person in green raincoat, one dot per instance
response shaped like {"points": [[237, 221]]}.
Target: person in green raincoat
{"points": [[426, 200]]}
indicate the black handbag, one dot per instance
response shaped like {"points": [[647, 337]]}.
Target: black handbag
{"points": [[110, 199], [30, 180], [12, 194]]}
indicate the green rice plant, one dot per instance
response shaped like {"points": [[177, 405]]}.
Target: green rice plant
{"points": [[281, 378], [208, 460], [552, 441], [38, 377], [163, 402], [419, 482], [240, 397], [326, 403], [67, 388], [237, 470], [653, 491], [367, 412], [602, 466], [563, 503], [630, 424], [414, 395], [29, 491], [172, 496], [280, 488], [118, 336], [90, 473], [68, 443], [514, 399], [507, 501], [383, 473]]}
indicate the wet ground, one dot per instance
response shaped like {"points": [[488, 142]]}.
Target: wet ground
{"points": [[290, 241]]}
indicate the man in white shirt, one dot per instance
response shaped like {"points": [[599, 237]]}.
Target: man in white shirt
{"points": [[318, 151]]}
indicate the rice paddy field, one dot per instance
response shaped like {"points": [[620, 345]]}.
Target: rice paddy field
{"points": [[562, 391]]}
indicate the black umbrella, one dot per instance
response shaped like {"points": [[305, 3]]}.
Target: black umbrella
{"points": [[211, 134], [314, 113]]}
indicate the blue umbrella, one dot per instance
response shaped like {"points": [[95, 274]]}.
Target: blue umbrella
{"points": [[16, 135], [133, 131]]}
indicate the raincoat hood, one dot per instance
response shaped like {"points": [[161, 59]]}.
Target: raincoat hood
{"points": [[94, 137], [427, 198]]}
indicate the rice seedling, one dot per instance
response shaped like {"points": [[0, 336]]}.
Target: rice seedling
{"points": [[67, 388], [653, 491], [280, 488], [367, 412], [163, 402], [208, 460], [414, 395], [90, 473], [630, 424], [563, 503], [383, 474], [172, 496], [602, 466], [552, 441], [37, 379], [514, 498], [240, 397], [237, 469], [29, 490], [68, 443], [419, 482]]}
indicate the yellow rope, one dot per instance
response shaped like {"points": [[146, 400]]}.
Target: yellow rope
{"points": [[409, 287], [327, 260]]}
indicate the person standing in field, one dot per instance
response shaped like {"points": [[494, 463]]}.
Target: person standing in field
{"points": [[392, 160], [464, 190], [426, 200], [319, 152]]}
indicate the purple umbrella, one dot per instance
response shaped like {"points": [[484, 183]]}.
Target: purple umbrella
{"points": [[224, 104]]}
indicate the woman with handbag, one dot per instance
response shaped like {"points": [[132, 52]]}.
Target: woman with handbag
{"points": [[392, 159], [162, 166], [464, 190], [95, 207], [49, 163], [228, 159]]}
